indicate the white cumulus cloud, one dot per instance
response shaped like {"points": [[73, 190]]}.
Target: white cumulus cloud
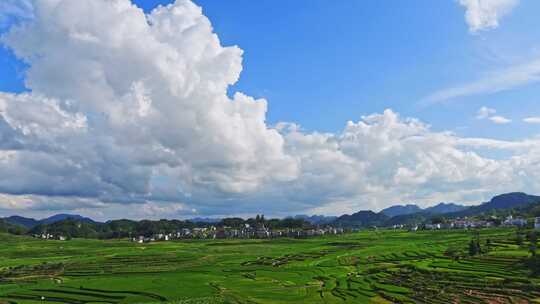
{"points": [[485, 14], [500, 120], [131, 109], [485, 112], [489, 114], [124, 103]]}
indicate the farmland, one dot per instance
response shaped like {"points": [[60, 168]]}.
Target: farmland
{"points": [[365, 267]]}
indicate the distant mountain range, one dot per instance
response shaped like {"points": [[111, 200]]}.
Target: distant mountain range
{"points": [[205, 220], [412, 214], [441, 208], [30, 222], [21, 221], [364, 218], [503, 201], [399, 214], [401, 210], [316, 219]]}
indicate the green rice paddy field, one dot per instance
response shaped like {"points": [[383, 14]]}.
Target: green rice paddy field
{"points": [[364, 267]]}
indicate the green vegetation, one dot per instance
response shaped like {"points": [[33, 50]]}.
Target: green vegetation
{"points": [[381, 266], [6, 227], [76, 228]]}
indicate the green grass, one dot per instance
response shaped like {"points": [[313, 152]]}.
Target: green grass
{"points": [[365, 267]]}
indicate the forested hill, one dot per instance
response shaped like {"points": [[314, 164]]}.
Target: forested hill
{"points": [[500, 202], [29, 223], [6, 227], [502, 205]]}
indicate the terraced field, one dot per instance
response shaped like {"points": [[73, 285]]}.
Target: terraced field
{"points": [[365, 267]]}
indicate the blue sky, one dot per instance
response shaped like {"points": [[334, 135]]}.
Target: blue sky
{"points": [[322, 63], [106, 123]]}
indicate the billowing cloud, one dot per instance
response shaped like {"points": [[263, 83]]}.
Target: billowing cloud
{"points": [[131, 109], [152, 90], [392, 157], [485, 14], [124, 104]]}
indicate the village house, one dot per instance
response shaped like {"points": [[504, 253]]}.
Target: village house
{"points": [[246, 232], [537, 223], [433, 226], [519, 222]]}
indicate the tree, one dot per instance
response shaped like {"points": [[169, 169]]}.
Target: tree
{"points": [[533, 263], [452, 252], [234, 222], [519, 239], [533, 239], [473, 248], [437, 220], [532, 249], [488, 244], [10, 228]]}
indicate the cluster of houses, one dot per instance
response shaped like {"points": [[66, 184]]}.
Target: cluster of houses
{"points": [[246, 232], [518, 222], [48, 236], [262, 232], [510, 221]]}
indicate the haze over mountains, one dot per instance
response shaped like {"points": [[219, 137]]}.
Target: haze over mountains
{"points": [[398, 214], [441, 208], [30, 222], [411, 214]]}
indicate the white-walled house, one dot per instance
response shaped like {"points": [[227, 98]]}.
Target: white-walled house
{"points": [[537, 223]]}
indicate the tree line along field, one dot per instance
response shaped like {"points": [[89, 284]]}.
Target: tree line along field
{"points": [[367, 267]]}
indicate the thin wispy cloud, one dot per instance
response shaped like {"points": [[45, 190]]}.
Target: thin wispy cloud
{"points": [[532, 120], [482, 15], [494, 82]]}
